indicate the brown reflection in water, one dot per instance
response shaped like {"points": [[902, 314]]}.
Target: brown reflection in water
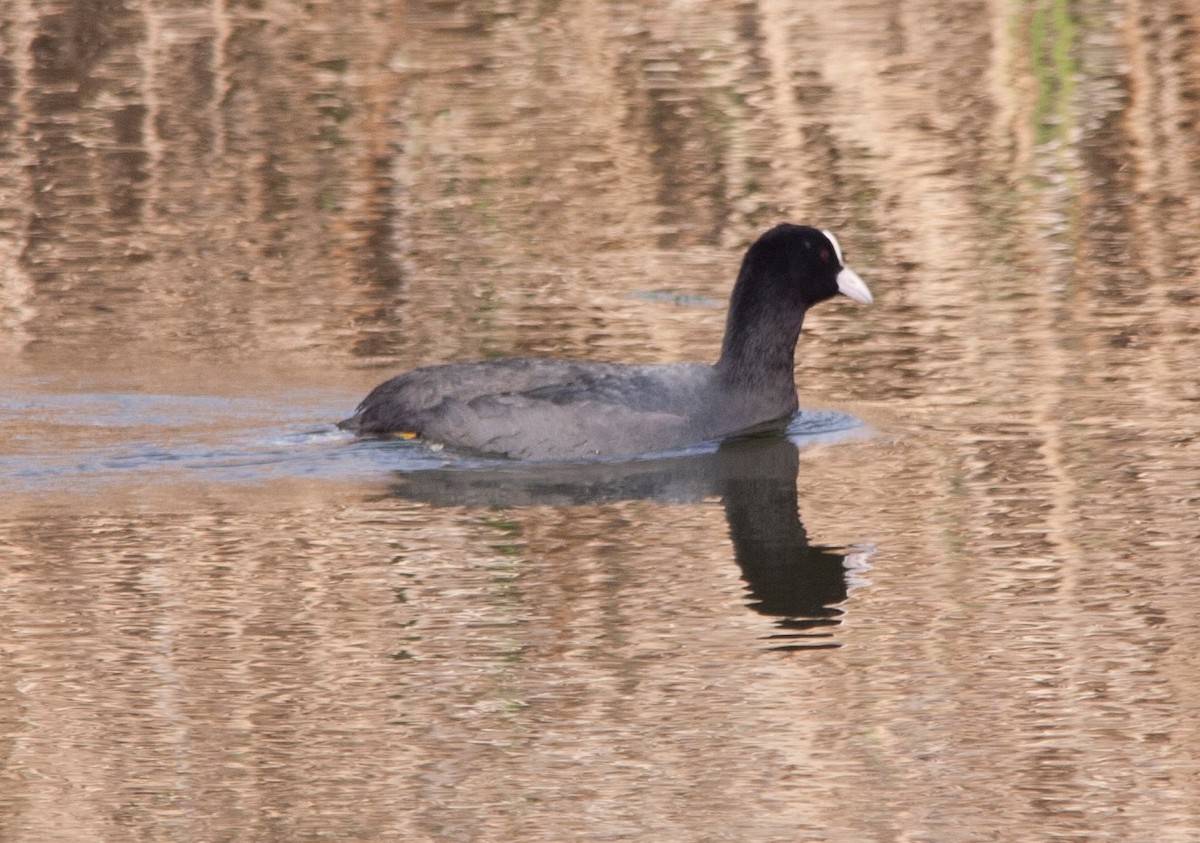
{"points": [[186, 168], [197, 675], [336, 187]]}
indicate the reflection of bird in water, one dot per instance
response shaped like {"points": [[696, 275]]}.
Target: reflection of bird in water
{"points": [[786, 577]]}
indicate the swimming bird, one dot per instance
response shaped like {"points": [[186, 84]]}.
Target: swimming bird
{"points": [[544, 409]]}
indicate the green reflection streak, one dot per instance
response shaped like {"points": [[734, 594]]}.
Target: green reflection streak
{"points": [[1052, 34]]}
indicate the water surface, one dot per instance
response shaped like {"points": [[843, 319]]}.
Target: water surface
{"points": [[968, 614]]}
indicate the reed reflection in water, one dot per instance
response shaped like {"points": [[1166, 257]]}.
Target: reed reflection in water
{"points": [[224, 222]]}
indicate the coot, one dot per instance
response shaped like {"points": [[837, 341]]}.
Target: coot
{"points": [[538, 409]]}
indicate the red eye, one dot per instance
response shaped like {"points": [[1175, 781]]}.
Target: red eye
{"points": [[824, 256]]}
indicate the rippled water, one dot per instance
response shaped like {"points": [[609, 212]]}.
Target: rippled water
{"points": [[957, 602]]}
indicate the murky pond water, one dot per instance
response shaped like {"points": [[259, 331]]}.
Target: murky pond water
{"points": [[957, 602]]}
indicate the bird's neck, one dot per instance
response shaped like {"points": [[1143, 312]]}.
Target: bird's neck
{"points": [[758, 359]]}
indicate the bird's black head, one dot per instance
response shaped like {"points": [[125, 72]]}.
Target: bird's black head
{"points": [[787, 270], [798, 264]]}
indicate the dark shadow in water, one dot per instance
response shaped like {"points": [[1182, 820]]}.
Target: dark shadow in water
{"points": [[798, 583]]}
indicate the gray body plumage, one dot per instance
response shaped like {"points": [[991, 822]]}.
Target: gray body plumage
{"points": [[539, 409]]}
